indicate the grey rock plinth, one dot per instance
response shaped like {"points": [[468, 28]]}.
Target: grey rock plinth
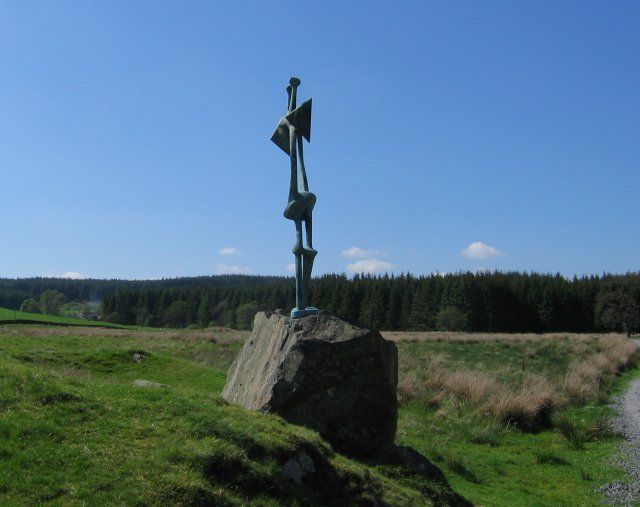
{"points": [[321, 372]]}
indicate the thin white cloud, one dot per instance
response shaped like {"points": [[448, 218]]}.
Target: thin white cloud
{"points": [[225, 269], [71, 275], [228, 250], [370, 266], [291, 268], [481, 251], [355, 252]]}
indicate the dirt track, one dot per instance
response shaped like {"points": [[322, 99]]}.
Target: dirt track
{"points": [[628, 424]]}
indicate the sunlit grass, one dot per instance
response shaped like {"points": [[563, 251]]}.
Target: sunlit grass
{"points": [[75, 430], [15, 316], [501, 418]]}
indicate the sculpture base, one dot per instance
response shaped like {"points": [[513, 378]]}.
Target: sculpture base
{"points": [[324, 373], [298, 314]]}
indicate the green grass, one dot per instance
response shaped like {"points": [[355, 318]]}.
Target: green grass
{"points": [[494, 464], [13, 316], [74, 430], [549, 358]]}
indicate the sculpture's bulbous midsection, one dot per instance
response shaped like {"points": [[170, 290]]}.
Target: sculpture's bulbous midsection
{"points": [[299, 204]]}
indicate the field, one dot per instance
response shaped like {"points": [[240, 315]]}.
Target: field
{"points": [[514, 419], [12, 316], [511, 420], [74, 429]]}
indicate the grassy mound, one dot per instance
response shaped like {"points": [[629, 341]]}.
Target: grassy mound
{"points": [[15, 317], [74, 430]]}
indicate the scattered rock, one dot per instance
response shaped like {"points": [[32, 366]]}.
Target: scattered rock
{"points": [[321, 372], [137, 357], [412, 461], [148, 383], [298, 468]]}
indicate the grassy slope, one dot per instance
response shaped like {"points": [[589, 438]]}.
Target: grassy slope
{"points": [[73, 429], [11, 316], [493, 465]]}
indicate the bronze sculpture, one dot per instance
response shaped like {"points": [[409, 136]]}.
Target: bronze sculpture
{"points": [[288, 135]]}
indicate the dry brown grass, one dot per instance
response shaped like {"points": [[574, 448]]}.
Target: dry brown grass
{"points": [[531, 403], [584, 380], [436, 373], [408, 387], [474, 387], [531, 406], [457, 337]]}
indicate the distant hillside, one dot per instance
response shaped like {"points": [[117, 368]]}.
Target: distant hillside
{"points": [[13, 316], [478, 302], [483, 302]]}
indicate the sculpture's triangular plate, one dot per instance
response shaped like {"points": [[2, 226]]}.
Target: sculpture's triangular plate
{"points": [[300, 118], [280, 136]]}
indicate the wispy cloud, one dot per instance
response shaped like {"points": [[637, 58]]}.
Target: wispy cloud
{"points": [[481, 251], [228, 250], [291, 268], [71, 275], [355, 252], [225, 269], [370, 266]]}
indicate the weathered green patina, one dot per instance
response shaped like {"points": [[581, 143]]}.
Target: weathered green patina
{"points": [[288, 135]]}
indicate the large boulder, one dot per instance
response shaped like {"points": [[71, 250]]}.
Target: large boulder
{"points": [[321, 372]]}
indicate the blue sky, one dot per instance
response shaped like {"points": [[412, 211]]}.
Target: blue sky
{"points": [[134, 136]]}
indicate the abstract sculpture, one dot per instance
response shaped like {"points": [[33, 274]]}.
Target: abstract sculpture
{"points": [[288, 135]]}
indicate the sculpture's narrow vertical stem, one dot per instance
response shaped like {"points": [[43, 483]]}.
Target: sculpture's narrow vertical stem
{"points": [[289, 88], [293, 84], [302, 172], [300, 285], [293, 190], [293, 184]]}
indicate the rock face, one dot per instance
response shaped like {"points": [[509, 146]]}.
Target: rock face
{"points": [[321, 372]]}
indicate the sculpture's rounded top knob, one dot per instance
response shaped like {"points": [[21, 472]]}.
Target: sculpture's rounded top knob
{"points": [[294, 81]]}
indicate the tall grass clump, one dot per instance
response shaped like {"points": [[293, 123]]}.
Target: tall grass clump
{"points": [[525, 399], [528, 407], [531, 407], [584, 380], [580, 432], [409, 388], [472, 386]]}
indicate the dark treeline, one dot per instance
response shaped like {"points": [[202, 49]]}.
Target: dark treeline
{"points": [[13, 292], [488, 302]]}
